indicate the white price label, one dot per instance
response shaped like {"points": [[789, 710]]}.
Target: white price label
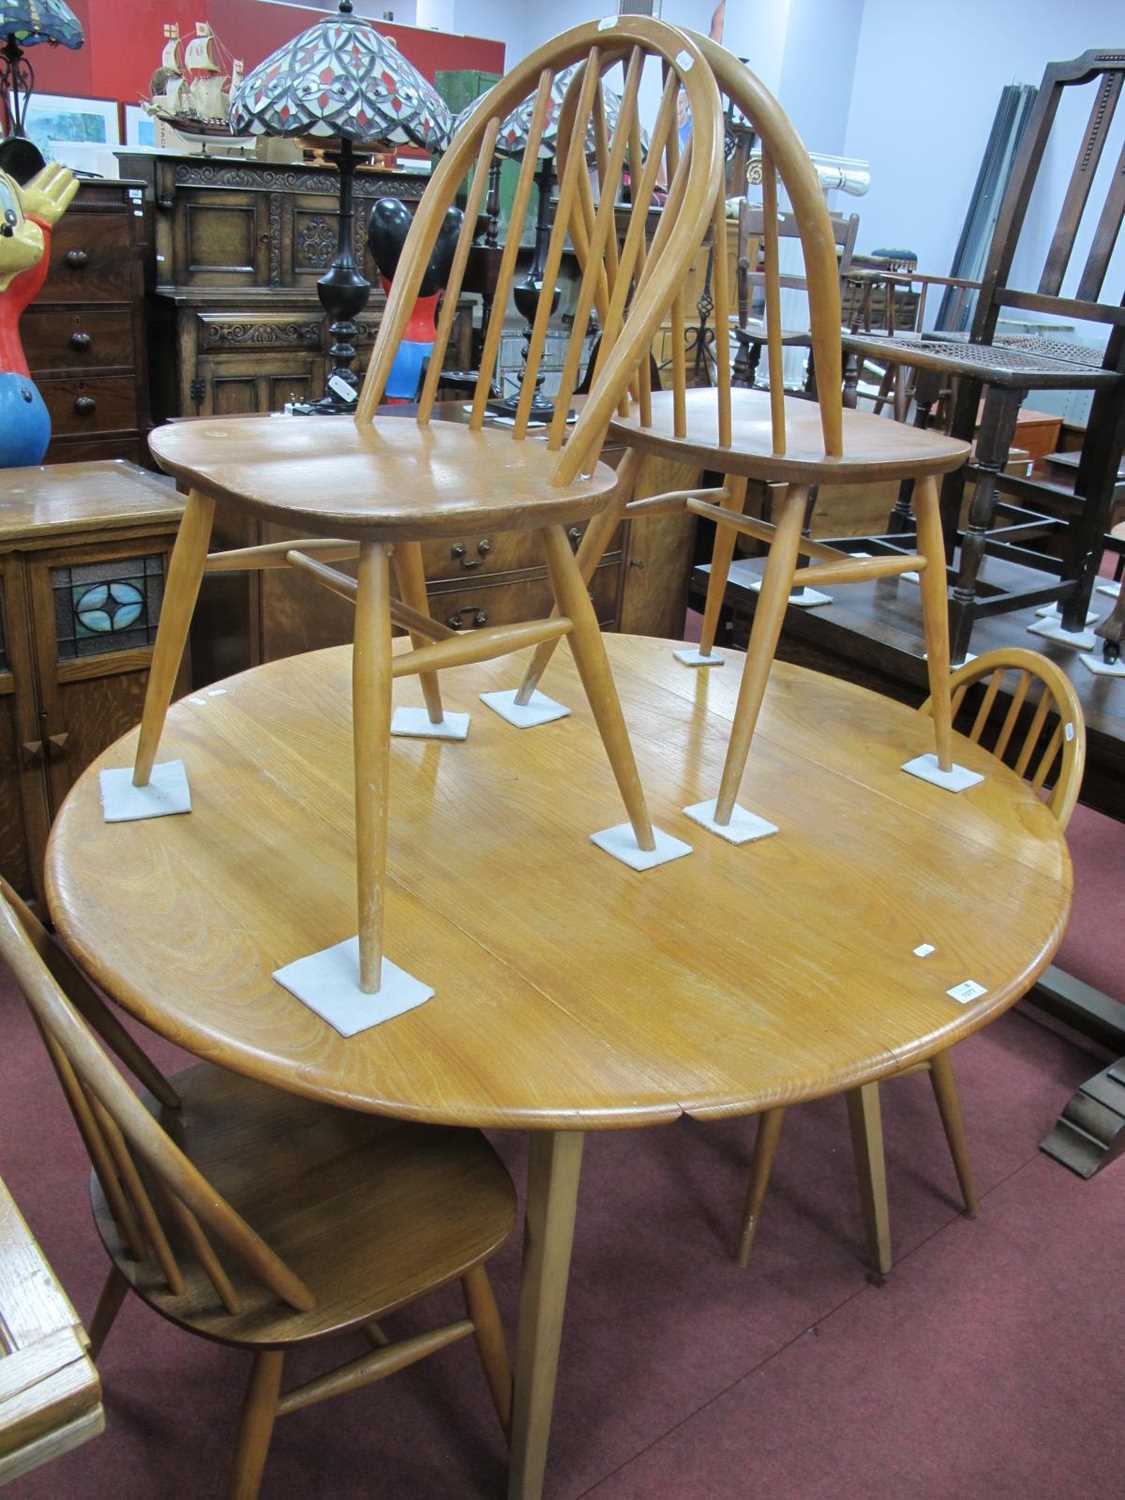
{"points": [[340, 387], [684, 61], [967, 990], [923, 950]]}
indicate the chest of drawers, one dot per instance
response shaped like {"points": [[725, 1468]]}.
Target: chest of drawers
{"points": [[84, 334]]}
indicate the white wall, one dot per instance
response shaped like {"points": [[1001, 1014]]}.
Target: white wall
{"points": [[926, 85]]}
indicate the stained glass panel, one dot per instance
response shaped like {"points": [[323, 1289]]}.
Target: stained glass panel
{"points": [[107, 606]]}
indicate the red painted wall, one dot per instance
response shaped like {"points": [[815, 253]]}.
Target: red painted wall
{"points": [[124, 39]]}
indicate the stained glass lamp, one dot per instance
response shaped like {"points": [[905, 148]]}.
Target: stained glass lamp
{"points": [[23, 24], [342, 81]]}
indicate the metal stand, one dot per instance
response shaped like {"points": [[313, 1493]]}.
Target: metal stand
{"points": [[526, 295]]}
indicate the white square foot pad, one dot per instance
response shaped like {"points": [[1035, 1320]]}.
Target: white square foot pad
{"points": [[802, 598], [621, 842], [1108, 587], [1051, 630], [1053, 613], [957, 779], [1096, 663], [167, 792], [539, 710], [415, 722], [328, 983], [743, 826], [690, 657]]}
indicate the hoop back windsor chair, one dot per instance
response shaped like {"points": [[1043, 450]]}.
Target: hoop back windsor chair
{"points": [[232, 1239], [383, 484], [784, 441], [1035, 726]]}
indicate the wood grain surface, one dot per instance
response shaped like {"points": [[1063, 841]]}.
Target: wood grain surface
{"points": [[571, 992], [873, 447]]}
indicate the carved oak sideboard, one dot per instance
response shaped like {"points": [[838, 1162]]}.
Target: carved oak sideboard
{"points": [[235, 250]]}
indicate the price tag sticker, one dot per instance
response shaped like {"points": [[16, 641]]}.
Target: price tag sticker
{"points": [[607, 23], [967, 990], [923, 950], [684, 61], [1069, 731], [340, 387]]}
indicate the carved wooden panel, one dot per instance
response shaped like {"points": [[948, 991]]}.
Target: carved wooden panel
{"points": [[222, 239]]}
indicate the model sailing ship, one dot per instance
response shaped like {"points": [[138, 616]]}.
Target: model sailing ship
{"points": [[191, 90]]}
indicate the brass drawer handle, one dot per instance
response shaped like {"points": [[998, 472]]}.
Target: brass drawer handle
{"points": [[459, 554], [79, 339], [458, 621], [76, 259], [84, 405]]}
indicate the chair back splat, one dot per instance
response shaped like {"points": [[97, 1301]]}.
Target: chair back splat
{"points": [[1039, 730], [630, 287]]}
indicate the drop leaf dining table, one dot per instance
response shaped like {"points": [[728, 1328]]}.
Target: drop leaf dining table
{"points": [[571, 994]]}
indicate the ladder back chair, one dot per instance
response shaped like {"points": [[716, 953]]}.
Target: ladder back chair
{"points": [[750, 333], [261, 1220], [1002, 370], [384, 484], [787, 442], [1023, 708]]}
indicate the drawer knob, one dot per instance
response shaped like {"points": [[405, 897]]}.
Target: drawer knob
{"points": [[84, 405], [459, 553], [80, 339], [32, 752], [57, 744], [76, 259], [477, 616]]}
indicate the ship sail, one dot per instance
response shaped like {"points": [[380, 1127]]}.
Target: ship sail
{"points": [[199, 54]]}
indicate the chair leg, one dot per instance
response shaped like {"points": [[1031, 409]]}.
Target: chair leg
{"points": [[371, 715], [949, 1107], [761, 1165], [259, 1411], [935, 614], [997, 429], [593, 668], [411, 578], [722, 554], [871, 1172], [492, 1346], [777, 581], [109, 1305], [592, 548], [185, 573]]}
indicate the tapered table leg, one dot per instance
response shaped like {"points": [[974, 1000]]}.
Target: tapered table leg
{"points": [[371, 715], [410, 574], [553, 1171]]}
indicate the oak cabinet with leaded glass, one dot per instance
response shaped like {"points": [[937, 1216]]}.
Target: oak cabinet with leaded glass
{"points": [[83, 550]]}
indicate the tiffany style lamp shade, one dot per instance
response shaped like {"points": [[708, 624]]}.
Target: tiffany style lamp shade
{"points": [[342, 81], [25, 23]]}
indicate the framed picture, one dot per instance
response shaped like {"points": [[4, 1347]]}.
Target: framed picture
{"points": [[67, 119], [140, 127]]}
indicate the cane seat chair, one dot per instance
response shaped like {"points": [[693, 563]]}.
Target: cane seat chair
{"points": [[994, 375], [782, 441], [257, 1219], [380, 483], [1023, 708]]}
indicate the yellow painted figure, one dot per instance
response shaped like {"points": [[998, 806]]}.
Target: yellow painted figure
{"points": [[28, 213]]}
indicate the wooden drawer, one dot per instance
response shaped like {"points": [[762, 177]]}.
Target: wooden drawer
{"points": [[102, 403], [480, 555], [77, 339], [92, 259], [502, 602], [79, 449]]}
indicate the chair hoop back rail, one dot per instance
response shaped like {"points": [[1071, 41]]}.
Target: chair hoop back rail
{"points": [[179, 1243], [1038, 736], [787, 443], [376, 487]]}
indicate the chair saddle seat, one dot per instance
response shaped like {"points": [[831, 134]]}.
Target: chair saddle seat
{"points": [[874, 448], [1023, 361], [370, 1213], [756, 332], [390, 480]]}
